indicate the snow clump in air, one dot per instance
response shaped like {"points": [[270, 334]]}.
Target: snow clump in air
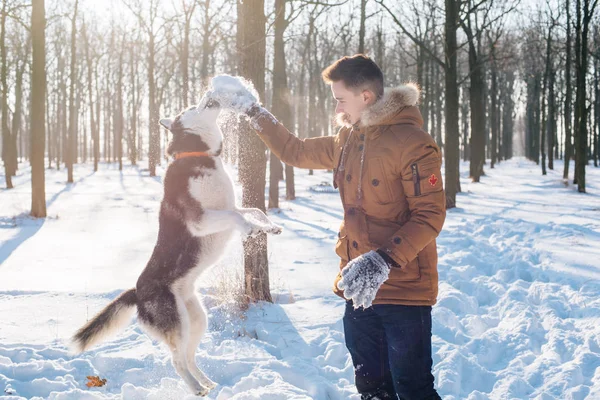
{"points": [[233, 92]]}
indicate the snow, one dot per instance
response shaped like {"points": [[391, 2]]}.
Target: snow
{"points": [[233, 92], [362, 278], [518, 313]]}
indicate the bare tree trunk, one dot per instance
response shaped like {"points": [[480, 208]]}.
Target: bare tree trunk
{"points": [[439, 95], [6, 135], [596, 105], [205, 43], [107, 115], [431, 100], [426, 92], [71, 141], [533, 117], [477, 103], [53, 110], [82, 115], [313, 73], [547, 133], [494, 109], [551, 119], [452, 181], [132, 141], [38, 108], [93, 131], [252, 160], [361, 29], [507, 116], [97, 128], [577, 111], [17, 115], [63, 131], [154, 134], [119, 108], [281, 106], [464, 114], [581, 159], [185, 54], [543, 130], [420, 80]]}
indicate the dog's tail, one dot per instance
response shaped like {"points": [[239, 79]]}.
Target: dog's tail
{"points": [[108, 321]]}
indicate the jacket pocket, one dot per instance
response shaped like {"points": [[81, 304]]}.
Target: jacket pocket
{"points": [[381, 230], [416, 179], [378, 183], [424, 178]]}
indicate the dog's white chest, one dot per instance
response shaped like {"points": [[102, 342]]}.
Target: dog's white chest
{"points": [[213, 188]]}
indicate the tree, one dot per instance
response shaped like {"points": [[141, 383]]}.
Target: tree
{"points": [[94, 131], [550, 122], [361, 30], [9, 139], [252, 159], [149, 20], [568, 94], [584, 17], [281, 105], [38, 101], [478, 17], [72, 138], [188, 12], [452, 178]]}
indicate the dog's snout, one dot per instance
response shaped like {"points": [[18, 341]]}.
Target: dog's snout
{"points": [[212, 104]]}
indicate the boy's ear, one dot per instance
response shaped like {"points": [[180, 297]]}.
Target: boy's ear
{"points": [[368, 96], [166, 122]]}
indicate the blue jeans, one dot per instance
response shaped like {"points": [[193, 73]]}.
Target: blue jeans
{"points": [[390, 347]]}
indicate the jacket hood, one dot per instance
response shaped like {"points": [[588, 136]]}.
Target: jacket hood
{"points": [[396, 106]]}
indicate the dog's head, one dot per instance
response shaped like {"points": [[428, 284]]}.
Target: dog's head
{"points": [[195, 129]]}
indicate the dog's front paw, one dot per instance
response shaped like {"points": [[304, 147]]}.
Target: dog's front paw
{"points": [[254, 230], [203, 391], [275, 229]]}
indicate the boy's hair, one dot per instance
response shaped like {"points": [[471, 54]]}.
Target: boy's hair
{"points": [[358, 72]]}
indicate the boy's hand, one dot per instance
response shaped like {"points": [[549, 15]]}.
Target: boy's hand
{"points": [[362, 278]]}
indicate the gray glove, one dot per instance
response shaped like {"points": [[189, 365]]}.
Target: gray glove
{"points": [[362, 278]]}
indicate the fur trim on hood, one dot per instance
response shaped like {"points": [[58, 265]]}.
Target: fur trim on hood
{"points": [[390, 104]]}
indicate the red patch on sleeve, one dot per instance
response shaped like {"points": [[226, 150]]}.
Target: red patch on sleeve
{"points": [[433, 180]]}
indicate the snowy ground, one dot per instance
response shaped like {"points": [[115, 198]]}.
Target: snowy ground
{"points": [[518, 314]]}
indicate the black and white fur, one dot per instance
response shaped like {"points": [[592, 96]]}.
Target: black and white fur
{"points": [[197, 218]]}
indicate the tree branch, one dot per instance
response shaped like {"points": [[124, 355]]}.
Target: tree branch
{"points": [[418, 42]]}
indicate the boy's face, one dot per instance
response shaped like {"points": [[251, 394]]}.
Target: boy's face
{"points": [[351, 102]]}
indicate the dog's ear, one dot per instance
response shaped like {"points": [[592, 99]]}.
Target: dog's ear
{"points": [[166, 122]]}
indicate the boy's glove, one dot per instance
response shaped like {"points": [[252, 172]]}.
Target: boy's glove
{"points": [[362, 278]]}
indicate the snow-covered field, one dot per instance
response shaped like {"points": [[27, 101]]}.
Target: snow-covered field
{"points": [[518, 313]]}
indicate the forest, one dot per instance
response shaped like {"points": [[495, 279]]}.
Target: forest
{"points": [[86, 82]]}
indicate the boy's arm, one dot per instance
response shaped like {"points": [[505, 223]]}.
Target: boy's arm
{"points": [[311, 153]]}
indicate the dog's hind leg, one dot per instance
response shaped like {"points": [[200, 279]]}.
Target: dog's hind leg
{"points": [[178, 352], [198, 325], [178, 338]]}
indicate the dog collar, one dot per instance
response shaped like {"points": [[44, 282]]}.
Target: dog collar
{"points": [[191, 154]]}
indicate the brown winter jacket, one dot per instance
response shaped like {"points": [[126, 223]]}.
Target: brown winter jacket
{"points": [[393, 200]]}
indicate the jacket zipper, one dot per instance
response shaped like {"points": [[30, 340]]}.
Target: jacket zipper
{"points": [[416, 179]]}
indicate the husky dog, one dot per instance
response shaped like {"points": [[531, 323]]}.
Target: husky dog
{"points": [[197, 218]]}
